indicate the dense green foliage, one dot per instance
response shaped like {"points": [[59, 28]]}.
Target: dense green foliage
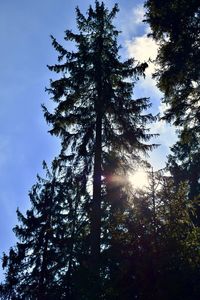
{"points": [[88, 234], [40, 266], [176, 27], [184, 161], [96, 117]]}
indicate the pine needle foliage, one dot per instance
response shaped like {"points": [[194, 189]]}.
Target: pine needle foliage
{"points": [[95, 111], [76, 211]]}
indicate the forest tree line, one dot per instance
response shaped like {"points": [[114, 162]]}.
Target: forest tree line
{"points": [[88, 234]]}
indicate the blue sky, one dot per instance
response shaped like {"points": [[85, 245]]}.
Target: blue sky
{"points": [[25, 29]]}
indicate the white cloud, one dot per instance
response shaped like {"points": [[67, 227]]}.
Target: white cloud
{"points": [[144, 49], [130, 21], [167, 137], [167, 132], [138, 14]]}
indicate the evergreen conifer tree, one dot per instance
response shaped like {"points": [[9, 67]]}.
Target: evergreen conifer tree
{"points": [[70, 228], [51, 237], [183, 162], [176, 28], [163, 248], [96, 114]]}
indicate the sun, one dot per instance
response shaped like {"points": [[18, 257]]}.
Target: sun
{"points": [[138, 179]]}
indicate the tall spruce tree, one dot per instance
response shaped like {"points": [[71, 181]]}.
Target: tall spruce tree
{"points": [[176, 27], [70, 226], [163, 244], [183, 162], [96, 115], [31, 261], [178, 256], [51, 240]]}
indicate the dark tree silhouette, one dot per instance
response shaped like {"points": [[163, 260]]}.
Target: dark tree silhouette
{"points": [[65, 235], [50, 235], [95, 113], [176, 27]]}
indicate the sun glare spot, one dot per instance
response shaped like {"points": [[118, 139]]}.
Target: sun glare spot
{"points": [[139, 179]]}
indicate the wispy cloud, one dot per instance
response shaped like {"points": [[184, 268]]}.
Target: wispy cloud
{"points": [[167, 137], [131, 21], [167, 132], [145, 49], [138, 14]]}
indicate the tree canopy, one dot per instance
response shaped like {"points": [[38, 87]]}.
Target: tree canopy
{"points": [[88, 233]]}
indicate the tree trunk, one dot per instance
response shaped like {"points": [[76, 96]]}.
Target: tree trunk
{"points": [[42, 288], [96, 205]]}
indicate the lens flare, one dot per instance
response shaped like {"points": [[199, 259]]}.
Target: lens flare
{"points": [[139, 179]]}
